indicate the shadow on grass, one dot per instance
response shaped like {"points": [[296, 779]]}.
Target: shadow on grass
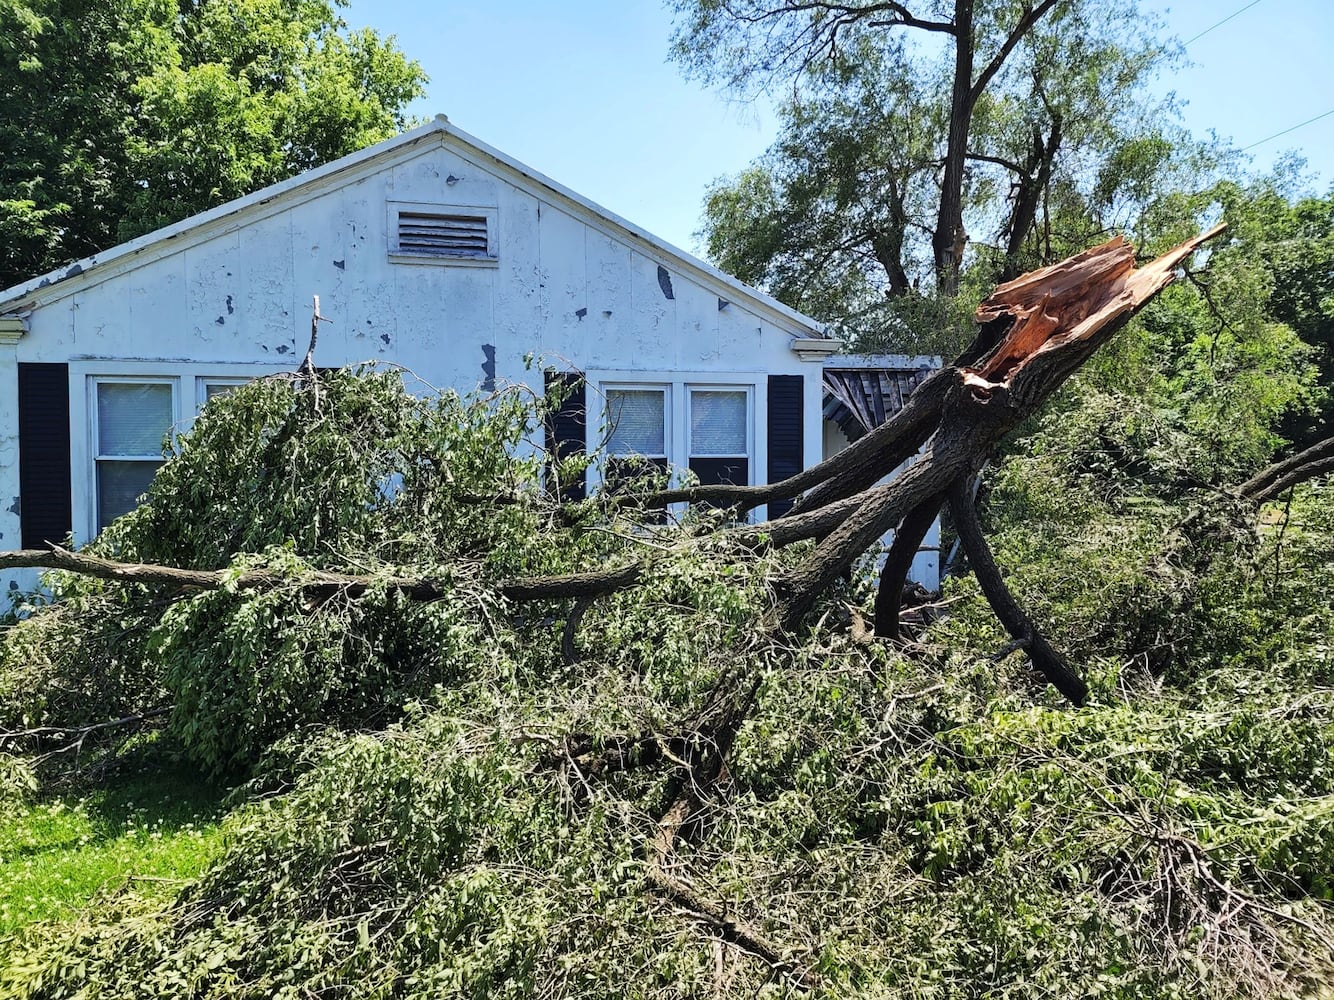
{"points": [[148, 816]]}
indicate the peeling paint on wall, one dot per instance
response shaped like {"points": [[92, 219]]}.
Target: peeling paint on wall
{"points": [[488, 367], [16, 507], [665, 283]]}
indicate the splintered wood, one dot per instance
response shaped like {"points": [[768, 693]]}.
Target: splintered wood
{"points": [[1070, 301]]}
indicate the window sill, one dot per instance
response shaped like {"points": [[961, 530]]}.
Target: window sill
{"points": [[443, 260]]}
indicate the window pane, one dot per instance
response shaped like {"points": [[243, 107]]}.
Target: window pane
{"points": [[717, 422], [132, 417], [638, 421], [212, 389], [119, 486]]}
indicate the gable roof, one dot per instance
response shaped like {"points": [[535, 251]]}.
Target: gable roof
{"points": [[99, 267]]}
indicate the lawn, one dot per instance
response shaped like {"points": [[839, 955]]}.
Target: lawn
{"points": [[146, 829]]}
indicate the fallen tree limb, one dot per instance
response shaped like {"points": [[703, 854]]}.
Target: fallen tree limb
{"points": [[319, 583], [1271, 482], [1026, 637], [898, 562], [851, 471]]}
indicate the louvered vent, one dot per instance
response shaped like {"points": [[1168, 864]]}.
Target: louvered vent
{"points": [[438, 235]]}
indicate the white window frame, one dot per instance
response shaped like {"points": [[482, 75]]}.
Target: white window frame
{"points": [[95, 436], [188, 382], [749, 391], [679, 385], [204, 382], [604, 428], [489, 212]]}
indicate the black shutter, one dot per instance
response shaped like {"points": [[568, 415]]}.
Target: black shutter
{"points": [[44, 475], [787, 396], [565, 430]]}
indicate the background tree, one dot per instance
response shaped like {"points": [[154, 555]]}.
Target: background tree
{"points": [[844, 215], [125, 115]]}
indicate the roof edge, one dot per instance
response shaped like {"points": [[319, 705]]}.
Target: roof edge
{"points": [[661, 246], [64, 280], [102, 259]]}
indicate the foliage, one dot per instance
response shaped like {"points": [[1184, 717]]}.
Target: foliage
{"points": [[360, 470], [125, 115], [921, 823], [843, 216]]}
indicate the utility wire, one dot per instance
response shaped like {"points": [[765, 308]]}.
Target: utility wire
{"points": [[1294, 128], [1220, 23]]}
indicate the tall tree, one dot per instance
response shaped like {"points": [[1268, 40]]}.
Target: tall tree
{"points": [[908, 130], [124, 115]]}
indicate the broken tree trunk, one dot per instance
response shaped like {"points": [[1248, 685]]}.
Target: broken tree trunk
{"points": [[1036, 331]]}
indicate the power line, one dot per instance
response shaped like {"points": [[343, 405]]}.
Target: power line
{"points": [[1220, 23], [1294, 128]]}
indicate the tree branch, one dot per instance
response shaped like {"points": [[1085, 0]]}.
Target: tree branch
{"points": [[1025, 24], [1040, 651], [318, 582], [1270, 482]]}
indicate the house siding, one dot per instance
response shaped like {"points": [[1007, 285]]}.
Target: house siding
{"points": [[572, 287]]}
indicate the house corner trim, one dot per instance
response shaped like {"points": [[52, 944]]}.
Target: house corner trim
{"points": [[12, 329]]}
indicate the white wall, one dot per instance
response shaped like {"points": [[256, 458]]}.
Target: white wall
{"points": [[567, 286], [243, 294]]}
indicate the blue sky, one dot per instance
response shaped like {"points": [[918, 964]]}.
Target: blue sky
{"points": [[581, 90]]}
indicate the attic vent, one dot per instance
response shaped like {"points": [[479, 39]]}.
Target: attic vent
{"points": [[442, 235], [448, 236]]}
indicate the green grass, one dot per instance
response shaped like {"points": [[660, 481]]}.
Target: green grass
{"points": [[147, 831]]}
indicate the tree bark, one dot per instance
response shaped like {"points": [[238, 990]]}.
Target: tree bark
{"points": [[898, 561], [947, 238], [1040, 651]]}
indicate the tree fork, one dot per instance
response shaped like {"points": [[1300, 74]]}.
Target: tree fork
{"points": [[1053, 319]]}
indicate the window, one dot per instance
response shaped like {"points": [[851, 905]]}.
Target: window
{"points": [[131, 420], [636, 432], [442, 234], [720, 444], [211, 388], [707, 428], [120, 417]]}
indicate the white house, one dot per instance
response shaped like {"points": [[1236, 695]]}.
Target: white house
{"points": [[431, 250]]}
